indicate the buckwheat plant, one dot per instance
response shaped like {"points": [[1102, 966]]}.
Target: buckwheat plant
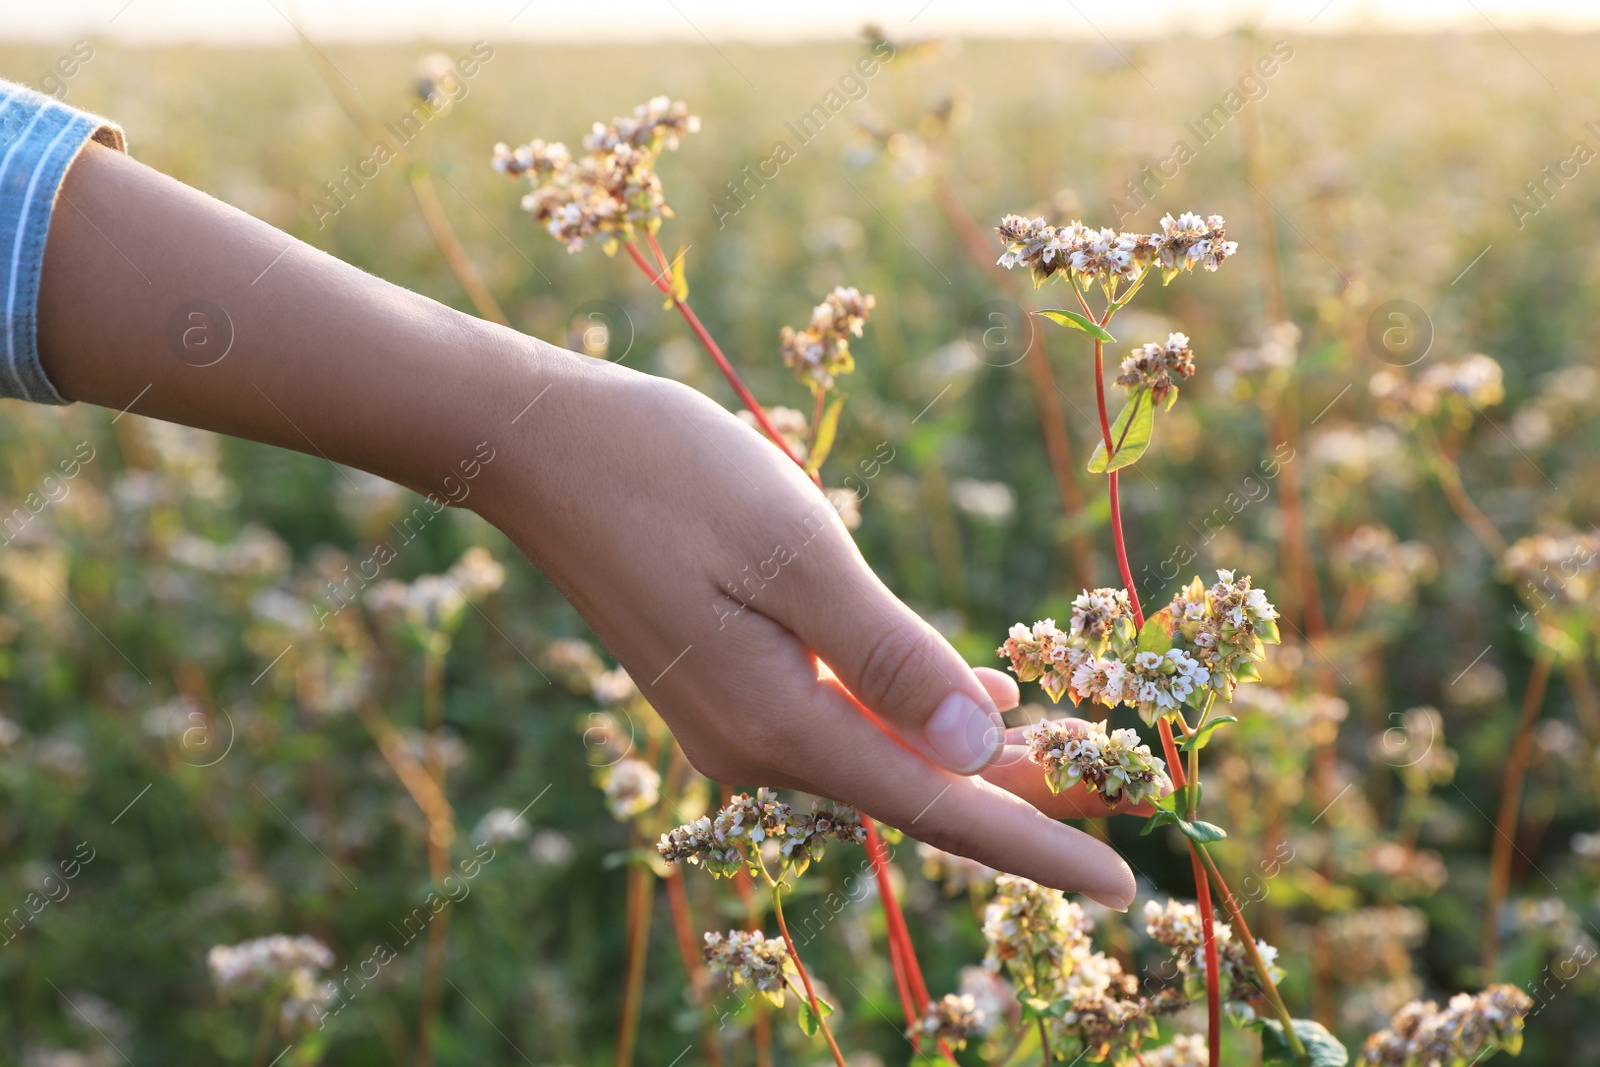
{"points": [[611, 194], [1421, 1035], [288, 977], [1080, 999], [1174, 665], [766, 839]]}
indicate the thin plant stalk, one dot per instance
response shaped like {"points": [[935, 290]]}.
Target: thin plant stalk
{"points": [[420, 180], [1269, 988], [1202, 891], [639, 911], [439, 837], [805, 979], [1448, 472], [693, 966], [1052, 421], [1197, 851], [660, 279], [1510, 805], [908, 975]]}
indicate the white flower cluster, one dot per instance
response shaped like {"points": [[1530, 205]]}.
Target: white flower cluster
{"points": [[1112, 763], [732, 839], [1557, 570], [820, 353], [1389, 569], [632, 787], [1041, 940], [1106, 256], [751, 957], [1177, 926], [1217, 636], [1185, 1050], [1421, 1035], [433, 603], [952, 1018], [1102, 620], [500, 826], [290, 967], [1475, 382], [610, 191], [1226, 627], [1154, 366]]}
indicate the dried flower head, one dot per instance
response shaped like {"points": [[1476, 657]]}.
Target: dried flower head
{"points": [[611, 191], [1421, 1035], [820, 353], [1106, 256], [751, 957], [1112, 763], [1155, 366], [953, 1019]]}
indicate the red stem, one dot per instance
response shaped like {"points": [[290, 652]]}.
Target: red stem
{"points": [[914, 991], [1202, 889], [683, 924], [1111, 480], [752, 405]]}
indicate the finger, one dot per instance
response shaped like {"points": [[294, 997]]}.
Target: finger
{"points": [[1001, 687], [1015, 773], [849, 758], [895, 664]]}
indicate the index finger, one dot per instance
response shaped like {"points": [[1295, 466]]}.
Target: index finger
{"points": [[851, 758]]}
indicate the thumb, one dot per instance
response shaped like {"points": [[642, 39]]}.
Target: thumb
{"points": [[898, 667]]}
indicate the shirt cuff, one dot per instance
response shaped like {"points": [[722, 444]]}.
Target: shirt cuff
{"points": [[39, 139]]}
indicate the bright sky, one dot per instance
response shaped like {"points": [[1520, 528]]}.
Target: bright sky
{"points": [[265, 21]]}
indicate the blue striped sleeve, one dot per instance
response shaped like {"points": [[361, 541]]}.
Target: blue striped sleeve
{"points": [[39, 139]]}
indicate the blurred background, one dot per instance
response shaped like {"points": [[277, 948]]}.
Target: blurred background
{"points": [[226, 729]]}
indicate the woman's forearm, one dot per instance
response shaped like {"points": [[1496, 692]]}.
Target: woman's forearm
{"points": [[157, 297]]}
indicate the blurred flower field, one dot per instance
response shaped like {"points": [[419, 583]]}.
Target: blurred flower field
{"points": [[296, 763]]}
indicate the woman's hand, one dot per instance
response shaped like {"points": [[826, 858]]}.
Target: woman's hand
{"points": [[727, 586], [705, 561]]}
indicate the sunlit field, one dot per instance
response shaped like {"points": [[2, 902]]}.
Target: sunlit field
{"points": [[247, 693]]}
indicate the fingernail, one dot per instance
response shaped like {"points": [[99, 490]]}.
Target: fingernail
{"points": [[964, 734], [1119, 890]]}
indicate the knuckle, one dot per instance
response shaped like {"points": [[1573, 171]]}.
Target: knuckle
{"points": [[890, 668]]}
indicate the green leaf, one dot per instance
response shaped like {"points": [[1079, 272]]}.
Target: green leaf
{"points": [[1079, 321], [827, 429], [1130, 434], [1160, 818], [1156, 633], [1322, 1048], [1199, 738], [808, 1020], [1203, 832], [1183, 799]]}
